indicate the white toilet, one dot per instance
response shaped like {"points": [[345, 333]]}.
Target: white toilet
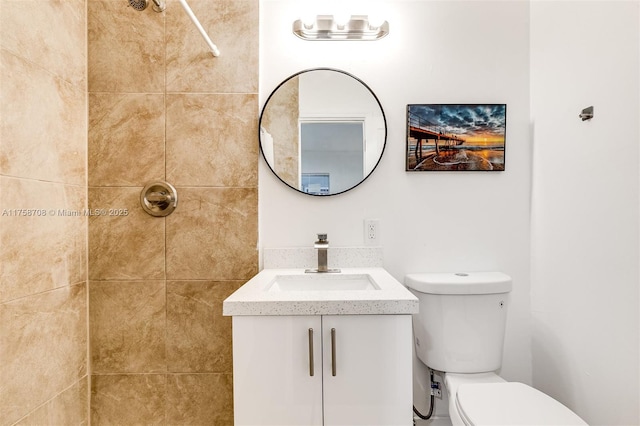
{"points": [[460, 332]]}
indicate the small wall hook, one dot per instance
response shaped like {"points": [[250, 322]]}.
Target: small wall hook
{"points": [[587, 113]]}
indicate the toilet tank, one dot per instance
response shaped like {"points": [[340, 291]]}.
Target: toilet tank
{"points": [[462, 318]]}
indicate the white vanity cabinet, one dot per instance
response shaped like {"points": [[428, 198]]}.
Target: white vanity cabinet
{"points": [[322, 370]]}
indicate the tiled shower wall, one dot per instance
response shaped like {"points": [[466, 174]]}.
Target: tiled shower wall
{"points": [[43, 230], [161, 107], [281, 119]]}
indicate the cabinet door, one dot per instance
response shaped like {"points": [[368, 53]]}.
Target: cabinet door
{"points": [[272, 377], [367, 370]]}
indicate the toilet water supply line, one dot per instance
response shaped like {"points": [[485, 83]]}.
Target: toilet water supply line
{"points": [[194, 19], [432, 404]]}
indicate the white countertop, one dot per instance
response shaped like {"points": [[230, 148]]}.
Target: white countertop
{"points": [[253, 298]]}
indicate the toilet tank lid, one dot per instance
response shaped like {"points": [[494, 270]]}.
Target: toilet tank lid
{"points": [[459, 282]]}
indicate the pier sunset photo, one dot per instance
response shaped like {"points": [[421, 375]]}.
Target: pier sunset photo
{"points": [[451, 137]]}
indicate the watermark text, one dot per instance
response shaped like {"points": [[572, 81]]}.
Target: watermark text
{"points": [[63, 212]]}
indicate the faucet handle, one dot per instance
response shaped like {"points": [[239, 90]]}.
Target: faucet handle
{"points": [[322, 242]]}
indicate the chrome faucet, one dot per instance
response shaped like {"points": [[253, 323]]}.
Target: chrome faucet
{"points": [[322, 245]]}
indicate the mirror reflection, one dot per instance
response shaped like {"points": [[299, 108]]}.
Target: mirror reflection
{"points": [[322, 131]]}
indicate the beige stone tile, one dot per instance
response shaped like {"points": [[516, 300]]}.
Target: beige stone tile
{"points": [[71, 407], [213, 234], [126, 139], [212, 140], [200, 399], [128, 399], [47, 249], [280, 122], [126, 48], [43, 348], [49, 33], [42, 124], [233, 26], [128, 246], [198, 336], [127, 326]]}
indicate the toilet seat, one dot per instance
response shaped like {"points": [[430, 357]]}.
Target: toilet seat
{"points": [[510, 403]]}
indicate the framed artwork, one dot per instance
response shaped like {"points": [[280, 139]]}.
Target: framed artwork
{"points": [[452, 137]]}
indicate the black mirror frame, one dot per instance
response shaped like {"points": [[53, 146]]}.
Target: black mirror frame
{"points": [[384, 118]]}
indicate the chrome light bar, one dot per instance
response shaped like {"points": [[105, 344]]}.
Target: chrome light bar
{"points": [[325, 27]]}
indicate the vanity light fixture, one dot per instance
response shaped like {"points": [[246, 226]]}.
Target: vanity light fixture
{"points": [[326, 27]]}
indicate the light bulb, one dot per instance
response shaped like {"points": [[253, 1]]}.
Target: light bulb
{"points": [[341, 19], [376, 20], [308, 20]]}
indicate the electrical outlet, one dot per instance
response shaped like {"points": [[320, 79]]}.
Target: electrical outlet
{"points": [[371, 232]]}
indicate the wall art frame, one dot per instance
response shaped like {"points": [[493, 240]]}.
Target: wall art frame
{"points": [[456, 137]]}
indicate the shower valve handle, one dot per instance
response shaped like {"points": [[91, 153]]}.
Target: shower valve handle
{"points": [[159, 197]]}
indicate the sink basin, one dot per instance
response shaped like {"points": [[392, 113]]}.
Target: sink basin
{"points": [[322, 282], [354, 291]]}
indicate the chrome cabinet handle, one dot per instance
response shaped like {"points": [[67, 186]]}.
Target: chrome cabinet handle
{"points": [[333, 351], [311, 367]]}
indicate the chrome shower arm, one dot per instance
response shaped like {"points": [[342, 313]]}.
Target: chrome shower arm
{"points": [[159, 5], [194, 19]]}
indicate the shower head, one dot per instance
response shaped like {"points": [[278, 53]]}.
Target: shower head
{"points": [[139, 4], [158, 5]]}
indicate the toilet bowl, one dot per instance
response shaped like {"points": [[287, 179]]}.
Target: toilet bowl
{"points": [[453, 381], [487, 399], [459, 331]]}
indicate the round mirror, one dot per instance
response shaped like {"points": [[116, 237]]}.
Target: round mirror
{"points": [[322, 131]]}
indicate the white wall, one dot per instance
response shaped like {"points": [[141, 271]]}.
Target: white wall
{"points": [[437, 52], [349, 100], [585, 207]]}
